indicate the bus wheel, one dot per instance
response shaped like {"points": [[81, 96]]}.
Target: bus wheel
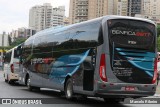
{"points": [[6, 80], [28, 84], [158, 79], [69, 89]]}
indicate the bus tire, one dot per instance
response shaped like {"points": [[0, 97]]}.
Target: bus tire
{"points": [[82, 97], [6, 80], [158, 78], [28, 84], [69, 89], [9, 81], [112, 100], [38, 89]]}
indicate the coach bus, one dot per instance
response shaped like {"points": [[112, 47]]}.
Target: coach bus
{"points": [[112, 57], [11, 65]]}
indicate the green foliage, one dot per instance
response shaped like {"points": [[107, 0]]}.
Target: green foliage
{"points": [[18, 41], [158, 30], [5, 47], [13, 44]]}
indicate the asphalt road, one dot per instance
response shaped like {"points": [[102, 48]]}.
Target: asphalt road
{"points": [[18, 91]]}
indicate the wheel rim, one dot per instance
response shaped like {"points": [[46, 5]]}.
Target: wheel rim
{"points": [[28, 83], [69, 90]]}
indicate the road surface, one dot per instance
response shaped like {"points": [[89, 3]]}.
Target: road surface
{"points": [[18, 91]]}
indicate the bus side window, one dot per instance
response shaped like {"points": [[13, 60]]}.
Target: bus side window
{"points": [[87, 36]]}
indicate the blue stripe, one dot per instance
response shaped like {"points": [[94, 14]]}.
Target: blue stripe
{"points": [[145, 63], [82, 58]]}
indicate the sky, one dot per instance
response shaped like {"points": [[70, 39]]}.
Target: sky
{"points": [[14, 14]]}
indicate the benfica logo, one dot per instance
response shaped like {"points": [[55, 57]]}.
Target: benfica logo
{"points": [[131, 33]]}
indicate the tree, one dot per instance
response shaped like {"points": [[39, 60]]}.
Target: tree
{"points": [[13, 44], [18, 41]]}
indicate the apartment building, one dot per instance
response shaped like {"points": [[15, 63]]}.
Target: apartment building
{"points": [[66, 21], [21, 32], [151, 9], [40, 16], [122, 6], [112, 7], [97, 8], [44, 16], [134, 7], [82, 10], [78, 11], [4, 41], [58, 15]]}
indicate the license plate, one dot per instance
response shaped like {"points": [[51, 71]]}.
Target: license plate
{"points": [[130, 88]]}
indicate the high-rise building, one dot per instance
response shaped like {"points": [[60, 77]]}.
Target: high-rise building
{"points": [[78, 11], [151, 9], [66, 21], [21, 32], [44, 16], [134, 7], [146, 7], [58, 15], [112, 7], [40, 16], [35, 17], [122, 7], [82, 10], [4, 41], [97, 8]]}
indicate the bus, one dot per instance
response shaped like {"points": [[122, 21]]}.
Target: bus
{"points": [[112, 57], [11, 65]]}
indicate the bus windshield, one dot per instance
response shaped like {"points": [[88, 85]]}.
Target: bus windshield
{"points": [[132, 34]]}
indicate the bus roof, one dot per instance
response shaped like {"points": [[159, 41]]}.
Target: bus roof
{"points": [[64, 28], [128, 17]]}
